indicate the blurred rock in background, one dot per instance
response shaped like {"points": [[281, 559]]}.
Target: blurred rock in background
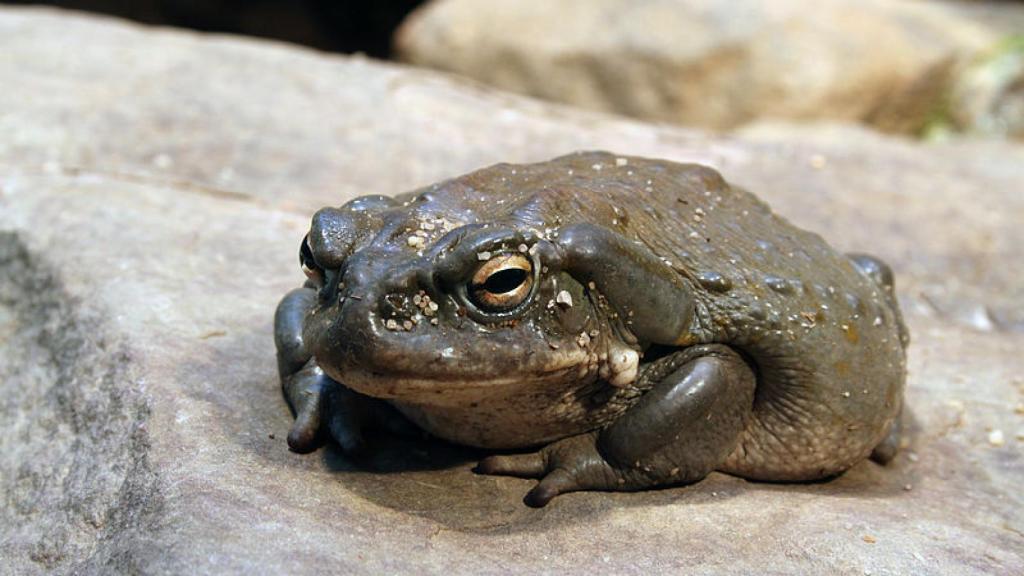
{"points": [[929, 68], [335, 25], [902, 66], [988, 98]]}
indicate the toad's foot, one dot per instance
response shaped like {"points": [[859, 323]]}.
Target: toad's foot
{"points": [[324, 408], [568, 465]]}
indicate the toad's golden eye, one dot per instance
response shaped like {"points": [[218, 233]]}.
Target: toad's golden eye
{"points": [[502, 283]]}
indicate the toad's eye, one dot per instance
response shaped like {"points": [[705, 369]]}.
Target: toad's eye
{"points": [[309, 265], [501, 283]]}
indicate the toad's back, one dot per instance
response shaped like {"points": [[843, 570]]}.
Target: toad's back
{"points": [[825, 337]]}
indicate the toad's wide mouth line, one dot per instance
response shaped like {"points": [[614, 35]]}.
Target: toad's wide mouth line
{"points": [[395, 385], [387, 382]]}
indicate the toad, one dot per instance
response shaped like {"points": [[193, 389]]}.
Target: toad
{"points": [[623, 323]]}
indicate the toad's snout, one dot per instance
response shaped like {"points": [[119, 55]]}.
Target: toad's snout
{"points": [[379, 314], [392, 290]]}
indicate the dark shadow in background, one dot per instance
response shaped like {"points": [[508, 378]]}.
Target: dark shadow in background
{"points": [[334, 25]]}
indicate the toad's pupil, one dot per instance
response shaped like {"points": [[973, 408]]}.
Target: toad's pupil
{"points": [[505, 280]]}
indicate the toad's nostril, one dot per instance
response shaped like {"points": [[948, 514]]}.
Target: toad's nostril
{"points": [[394, 304], [408, 293]]}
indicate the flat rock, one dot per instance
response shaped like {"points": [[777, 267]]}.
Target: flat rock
{"points": [[722, 63], [154, 186]]}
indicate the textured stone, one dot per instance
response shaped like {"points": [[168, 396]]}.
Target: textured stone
{"points": [[154, 186], [716, 63]]}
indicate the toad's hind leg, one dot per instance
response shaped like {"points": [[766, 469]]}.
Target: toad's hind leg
{"points": [[882, 275], [689, 422], [684, 427]]}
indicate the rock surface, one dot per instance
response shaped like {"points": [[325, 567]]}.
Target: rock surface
{"points": [[718, 63], [154, 186]]}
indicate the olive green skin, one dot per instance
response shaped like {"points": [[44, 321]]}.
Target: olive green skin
{"points": [[665, 264]]}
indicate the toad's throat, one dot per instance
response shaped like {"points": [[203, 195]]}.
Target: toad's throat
{"points": [[513, 411]]}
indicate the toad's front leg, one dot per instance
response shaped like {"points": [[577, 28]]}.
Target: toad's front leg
{"points": [[680, 430], [322, 406]]}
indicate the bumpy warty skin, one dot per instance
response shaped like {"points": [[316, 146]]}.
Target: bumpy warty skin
{"points": [[825, 340]]}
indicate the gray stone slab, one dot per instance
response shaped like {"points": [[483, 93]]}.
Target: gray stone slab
{"points": [[153, 189]]}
